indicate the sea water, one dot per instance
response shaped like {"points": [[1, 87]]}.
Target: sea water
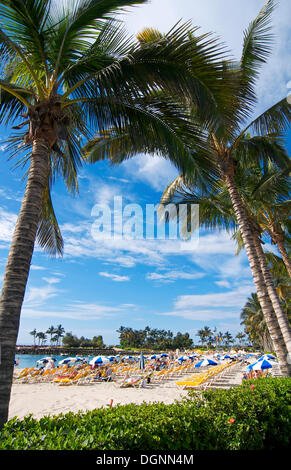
{"points": [[30, 360]]}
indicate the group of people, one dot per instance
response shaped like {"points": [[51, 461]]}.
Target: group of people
{"points": [[103, 372], [255, 374]]}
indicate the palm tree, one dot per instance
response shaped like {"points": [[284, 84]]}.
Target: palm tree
{"points": [[201, 334], [229, 145], [230, 141], [59, 332], [67, 72], [41, 338], [51, 331], [261, 189], [205, 335], [255, 325], [240, 337], [33, 333], [266, 195], [281, 279], [227, 338]]}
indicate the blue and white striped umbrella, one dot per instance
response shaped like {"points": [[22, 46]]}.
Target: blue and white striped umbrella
{"points": [[267, 357], [111, 358], [155, 356], [206, 362], [164, 355], [261, 365], [69, 360], [45, 360], [99, 360], [183, 358]]}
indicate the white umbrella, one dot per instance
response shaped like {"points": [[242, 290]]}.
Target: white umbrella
{"points": [[69, 360], [111, 358], [155, 356], [267, 357], [261, 365], [206, 362], [99, 360], [183, 358], [45, 360]]}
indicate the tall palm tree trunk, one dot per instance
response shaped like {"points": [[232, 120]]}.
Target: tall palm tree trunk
{"points": [[284, 254], [17, 268], [263, 296], [272, 323], [281, 315]]}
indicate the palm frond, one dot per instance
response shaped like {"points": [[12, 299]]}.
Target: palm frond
{"points": [[77, 25], [49, 235], [276, 119], [262, 149], [257, 46]]}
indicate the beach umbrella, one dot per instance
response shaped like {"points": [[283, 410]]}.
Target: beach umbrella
{"points": [[155, 356], [262, 365], [266, 356], [164, 355], [183, 358], [69, 360], [206, 362], [129, 357], [44, 360], [141, 363], [111, 358], [99, 360]]}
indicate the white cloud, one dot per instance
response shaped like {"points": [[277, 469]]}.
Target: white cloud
{"points": [[7, 224], [223, 284], [172, 276], [37, 296], [76, 311], [115, 277], [213, 306], [51, 280], [152, 170], [35, 267]]}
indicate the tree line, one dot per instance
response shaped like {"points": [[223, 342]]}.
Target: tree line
{"points": [[166, 340]]}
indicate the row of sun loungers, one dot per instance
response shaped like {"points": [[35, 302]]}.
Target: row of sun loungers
{"points": [[206, 378], [123, 375]]}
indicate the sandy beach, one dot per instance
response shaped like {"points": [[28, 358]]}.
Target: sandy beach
{"points": [[42, 399]]}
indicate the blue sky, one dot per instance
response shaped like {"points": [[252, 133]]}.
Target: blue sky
{"points": [[99, 286]]}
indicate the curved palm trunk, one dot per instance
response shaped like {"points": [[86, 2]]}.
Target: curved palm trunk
{"points": [[281, 315], [271, 320], [284, 254], [17, 269], [262, 289]]}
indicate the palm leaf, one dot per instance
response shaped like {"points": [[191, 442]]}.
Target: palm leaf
{"points": [[48, 234]]}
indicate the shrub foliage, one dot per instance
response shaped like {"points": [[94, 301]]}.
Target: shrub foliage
{"points": [[255, 415]]}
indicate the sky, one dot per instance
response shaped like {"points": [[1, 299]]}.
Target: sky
{"points": [[101, 284]]}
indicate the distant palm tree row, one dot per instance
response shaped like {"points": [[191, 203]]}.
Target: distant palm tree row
{"points": [[80, 91], [55, 333], [218, 338]]}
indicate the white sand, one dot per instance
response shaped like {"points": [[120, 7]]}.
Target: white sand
{"points": [[47, 398]]}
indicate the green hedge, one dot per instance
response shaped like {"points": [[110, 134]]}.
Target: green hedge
{"points": [[255, 415]]}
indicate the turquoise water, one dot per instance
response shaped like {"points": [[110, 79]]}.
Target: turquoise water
{"points": [[30, 360]]}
